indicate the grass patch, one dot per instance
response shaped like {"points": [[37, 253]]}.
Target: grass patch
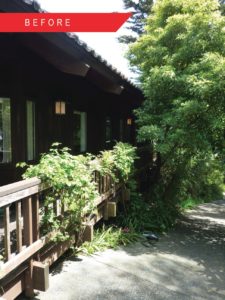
{"points": [[111, 237], [190, 203]]}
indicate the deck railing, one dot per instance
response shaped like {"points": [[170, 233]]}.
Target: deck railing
{"points": [[21, 243]]}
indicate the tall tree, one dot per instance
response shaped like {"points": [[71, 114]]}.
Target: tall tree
{"points": [[141, 10], [181, 57]]}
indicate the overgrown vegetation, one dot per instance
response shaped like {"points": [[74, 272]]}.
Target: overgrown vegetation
{"points": [[109, 237], [71, 179], [181, 58]]}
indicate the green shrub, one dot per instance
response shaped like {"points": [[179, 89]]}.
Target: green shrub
{"points": [[71, 179]]}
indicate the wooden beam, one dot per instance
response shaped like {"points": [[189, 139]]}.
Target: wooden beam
{"points": [[41, 276], [112, 208], [7, 233], [27, 221], [29, 286], [36, 218], [52, 254], [105, 212], [14, 288], [20, 258], [88, 233], [18, 227], [74, 68], [18, 186]]}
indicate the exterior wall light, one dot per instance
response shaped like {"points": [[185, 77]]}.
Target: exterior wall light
{"points": [[60, 107], [129, 121]]}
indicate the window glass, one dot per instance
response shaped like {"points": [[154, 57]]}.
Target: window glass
{"points": [[80, 132], [121, 130], [30, 130], [5, 131], [108, 131]]}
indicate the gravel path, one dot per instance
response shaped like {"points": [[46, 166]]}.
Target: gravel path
{"points": [[187, 263]]}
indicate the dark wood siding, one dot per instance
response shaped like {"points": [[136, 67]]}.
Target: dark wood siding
{"points": [[24, 75]]}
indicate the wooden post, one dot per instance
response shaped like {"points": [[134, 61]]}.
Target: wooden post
{"points": [[88, 233], [36, 218], [7, 233], [41, 276], [112, 209], [28, 240], [105, 211], [29, 286], [36, 221], [27, 221], [19, 227]]}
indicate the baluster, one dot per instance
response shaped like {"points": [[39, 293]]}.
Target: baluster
{"points": [[27, 221], [99, 183], [36, 218], [28, 240], [102, 184], [18, 227], [7, 233]]}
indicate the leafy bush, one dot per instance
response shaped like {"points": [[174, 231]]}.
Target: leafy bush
{"points": [[71, 179], [118, 162]]}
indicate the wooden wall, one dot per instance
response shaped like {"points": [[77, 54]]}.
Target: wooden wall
{"points": [[25, 76]]}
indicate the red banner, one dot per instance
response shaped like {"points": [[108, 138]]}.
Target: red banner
{"points": [[62, 22]]}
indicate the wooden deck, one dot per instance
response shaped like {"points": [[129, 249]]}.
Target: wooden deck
{"points": [[27, 253]]}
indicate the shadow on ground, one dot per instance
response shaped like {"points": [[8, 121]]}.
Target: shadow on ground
{"points": [[187, 263]]}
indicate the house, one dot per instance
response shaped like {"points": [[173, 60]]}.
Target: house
{"points": [[53, 87]]}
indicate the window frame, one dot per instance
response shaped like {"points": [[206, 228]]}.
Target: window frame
{"points": [[11, 132]]}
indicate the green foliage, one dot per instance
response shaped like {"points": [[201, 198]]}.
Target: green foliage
{"points": [[181, 58], [71, 179], [144, 215], [110, 237], [118, 162], [190, 203], [140, 10]]}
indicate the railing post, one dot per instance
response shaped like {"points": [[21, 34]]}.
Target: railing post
{"points": [[28, 240], [36, 218], [19, 227], [7, 233]]}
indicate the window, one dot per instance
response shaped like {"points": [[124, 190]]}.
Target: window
{"points": [[121, 130], [108, 131], [31, 130], [80, 132], [5, 131]]}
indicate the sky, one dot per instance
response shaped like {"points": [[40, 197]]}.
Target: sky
{"points": [[105, 44]]}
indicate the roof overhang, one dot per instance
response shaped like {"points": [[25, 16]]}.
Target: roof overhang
{"points": [[70, 55]]}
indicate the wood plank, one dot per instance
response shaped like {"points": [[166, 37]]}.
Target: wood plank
{"points": [[88, 233], [41, 276], [36, 218], [11, 198], [27, 221], [105, 211], [13, 263], [7, 233], [112, 208], [14, 289], [50, 256], [29, 287], [18, 186], [18, 227]]}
